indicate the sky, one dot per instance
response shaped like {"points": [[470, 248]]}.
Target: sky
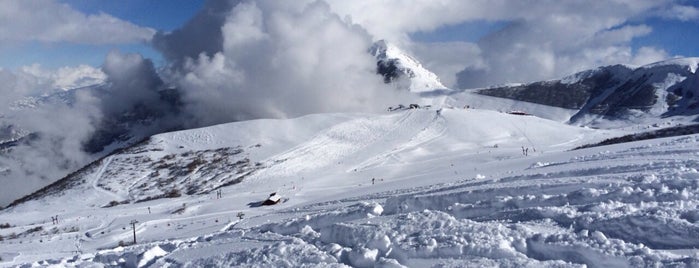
{"points": [[157, 15], [674, 31], [455, 40], [232, 60]]}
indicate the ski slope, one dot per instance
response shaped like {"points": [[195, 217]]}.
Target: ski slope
{"points": [[451, 188]]}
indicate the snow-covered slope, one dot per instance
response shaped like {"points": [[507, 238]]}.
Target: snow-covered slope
{"points": [[618, 92], [416, 188], [455, 185], [21, 136], [402, 70]]}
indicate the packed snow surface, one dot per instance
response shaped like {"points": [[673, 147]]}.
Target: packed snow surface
{"points": [[416, 188]]}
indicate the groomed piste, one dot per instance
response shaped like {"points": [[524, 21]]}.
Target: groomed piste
{"points": [[414, 188]]}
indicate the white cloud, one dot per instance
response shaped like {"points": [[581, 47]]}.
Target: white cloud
{"points": [[545, 39], [66, 121], [50, 21], [67, 77], [648, 55], [283, 61], [446, 59], [394, 19], [680, 12], [60, 126]]}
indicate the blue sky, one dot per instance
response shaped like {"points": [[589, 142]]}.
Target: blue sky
{"points": [[470, 32], [161, 15], [675, 37], [164, 15]]}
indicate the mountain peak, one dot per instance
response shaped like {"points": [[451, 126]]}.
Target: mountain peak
{"points": [[404, 71]]}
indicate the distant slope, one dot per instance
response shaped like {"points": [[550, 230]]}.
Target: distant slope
{"points": [[444, 195], [198, 161], [661, 89]]}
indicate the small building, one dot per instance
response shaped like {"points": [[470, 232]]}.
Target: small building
{"points": [[273, 199], [518, 113]]}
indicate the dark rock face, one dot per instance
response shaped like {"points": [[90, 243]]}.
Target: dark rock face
{"points": [[547, 93], [559, 94], [388, 69], [633, 94], [392, 68]]}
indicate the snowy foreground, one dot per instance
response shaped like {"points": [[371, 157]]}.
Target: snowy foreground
{"points": [[451, 189]]}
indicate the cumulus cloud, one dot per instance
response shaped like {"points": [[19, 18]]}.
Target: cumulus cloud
{"points": [[526, 51], [680, 12], [51, 21], [132, 80], [278, 60], [67, 77], [562, 42], [201, 34], [446, 59], [395, 19]]}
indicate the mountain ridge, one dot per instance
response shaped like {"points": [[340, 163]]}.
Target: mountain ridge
{"points": [[660, 89]]}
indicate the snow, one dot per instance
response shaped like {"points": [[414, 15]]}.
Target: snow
{"points": [[151, 255], [275, 198], [470, 99], [450, 189]]}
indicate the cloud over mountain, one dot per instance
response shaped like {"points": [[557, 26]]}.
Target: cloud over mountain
{"points": [[539, 39], [274, 60]]}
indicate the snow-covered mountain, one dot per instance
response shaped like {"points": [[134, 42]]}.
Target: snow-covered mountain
{"points": [[111, 129], [462, 183], [114, 130], [402, 70], [413, 188], [658, 90]]}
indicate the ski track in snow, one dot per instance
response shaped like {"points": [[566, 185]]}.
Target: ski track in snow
{"points": [[98, 175], [471, 204]]}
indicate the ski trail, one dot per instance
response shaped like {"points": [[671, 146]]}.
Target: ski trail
{"points": [[434, 129], [98, 175], [524, 134], [332, 145]]}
